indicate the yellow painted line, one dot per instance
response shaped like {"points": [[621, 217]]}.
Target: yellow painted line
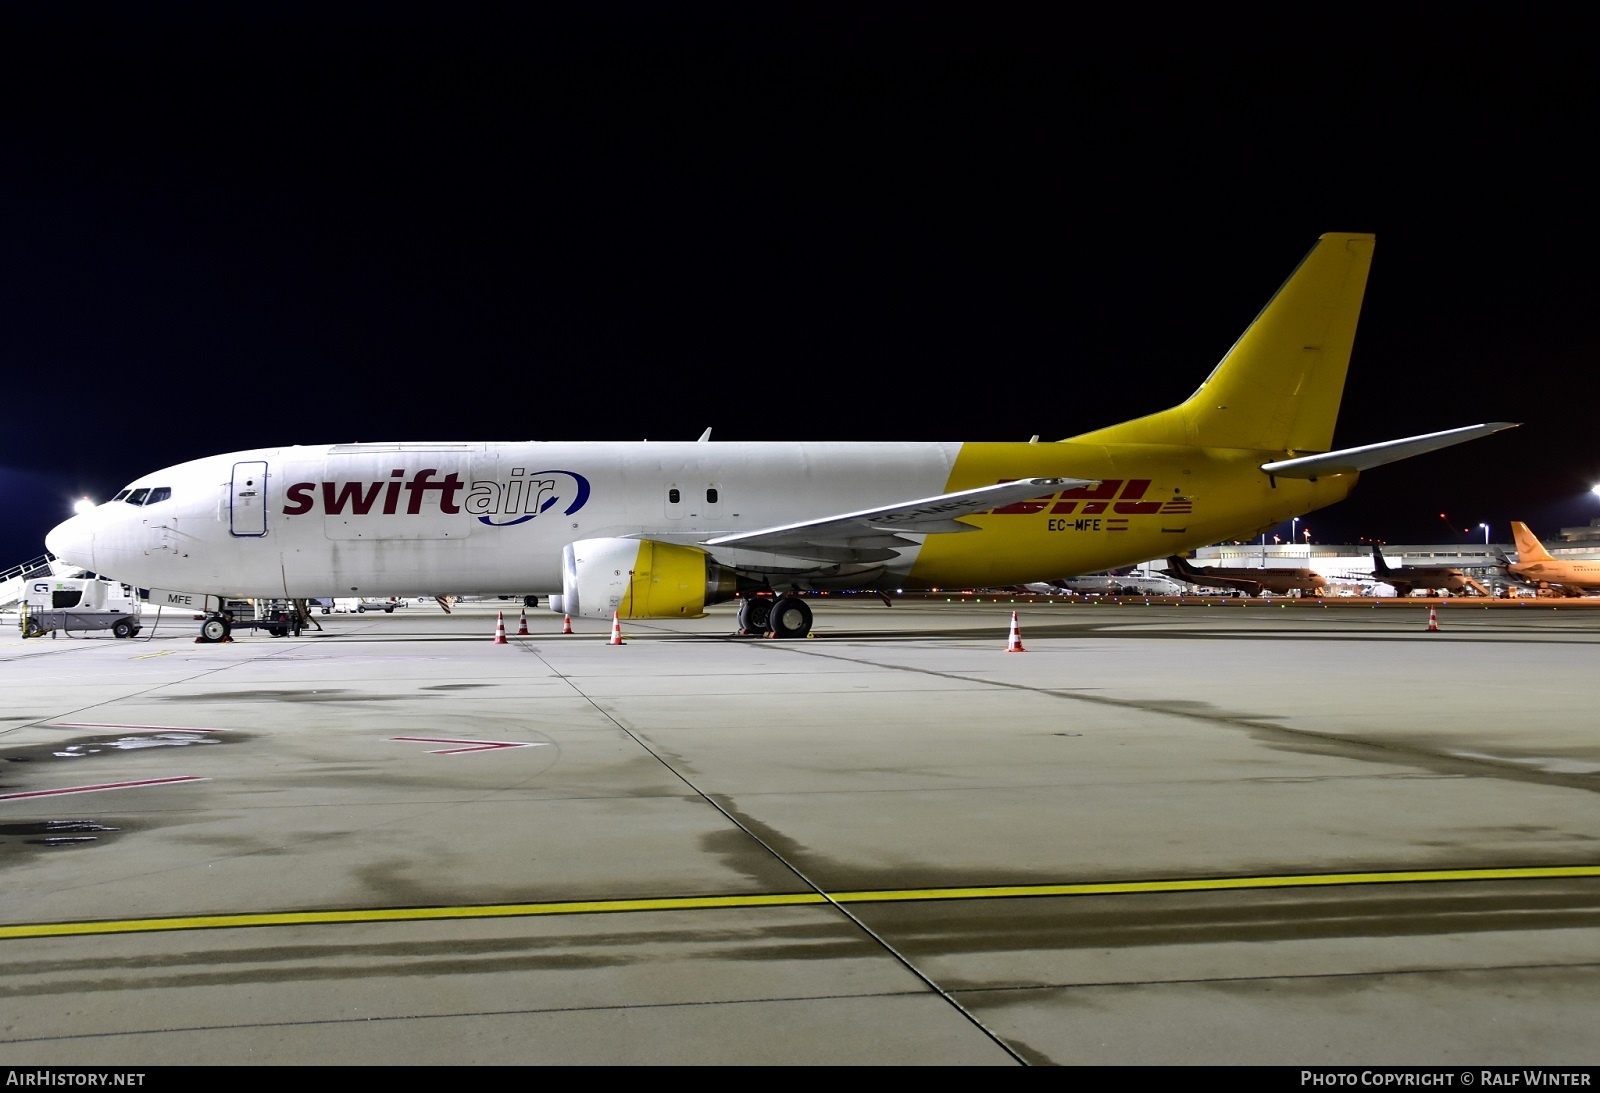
{"points": [[1214, 884], [147, 656], [405, 914], [792, 899]]}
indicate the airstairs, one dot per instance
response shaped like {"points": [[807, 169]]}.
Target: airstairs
{"points": [[14, 581]]}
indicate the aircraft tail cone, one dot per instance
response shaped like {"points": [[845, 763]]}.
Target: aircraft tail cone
{"points": [[500, 628], [522, 627], [566, 624], [616, 631], [1433, 619], [1014, 643]]}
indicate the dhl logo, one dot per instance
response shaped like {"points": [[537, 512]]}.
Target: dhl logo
{"points": [[1122, 496]]}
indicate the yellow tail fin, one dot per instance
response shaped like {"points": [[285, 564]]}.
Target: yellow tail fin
{"points": [[1529, 548], [1278, 389]]}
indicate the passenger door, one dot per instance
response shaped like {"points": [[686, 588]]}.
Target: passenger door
{"points": [[247, 508]]}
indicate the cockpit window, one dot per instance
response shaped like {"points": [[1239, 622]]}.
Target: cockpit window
{"points": [[121, 495], [137, 497], [158, 493]]}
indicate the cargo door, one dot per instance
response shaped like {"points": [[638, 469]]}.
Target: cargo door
{"points": [[247, 508]]}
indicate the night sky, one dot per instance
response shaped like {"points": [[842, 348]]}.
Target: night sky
{"points": [[821, 227]]}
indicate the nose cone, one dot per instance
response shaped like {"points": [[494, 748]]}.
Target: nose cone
{"points": [[72, 541]]}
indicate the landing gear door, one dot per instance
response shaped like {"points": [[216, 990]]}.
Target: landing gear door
{"points": [[248, 500]]}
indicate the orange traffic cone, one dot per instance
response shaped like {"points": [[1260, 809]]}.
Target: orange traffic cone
{"points": [[616, 631], [566, 624], [499, 628], [1433, 619], [1014, 644], [522, 627]]}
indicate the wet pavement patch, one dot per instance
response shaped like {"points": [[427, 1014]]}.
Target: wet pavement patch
{"points": [[21, 837], [136, 743], [54, 835], [19, 761], [331, 694]]}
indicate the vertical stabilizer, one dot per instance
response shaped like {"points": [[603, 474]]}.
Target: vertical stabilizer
{"points": [[1379, 566], [1529, 548], [1278, 389], [1279, 386]]}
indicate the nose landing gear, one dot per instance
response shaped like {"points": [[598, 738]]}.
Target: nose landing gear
{"points": [[280, 623], [217, 628]]}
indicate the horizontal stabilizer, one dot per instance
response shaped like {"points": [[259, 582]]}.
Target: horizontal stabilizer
{"points": [[1364, 458]]}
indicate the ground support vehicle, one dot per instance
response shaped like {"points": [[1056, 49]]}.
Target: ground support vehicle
{"points": [[79, 603]]}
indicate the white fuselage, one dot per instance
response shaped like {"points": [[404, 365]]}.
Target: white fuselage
{"points": [[403, 519]]}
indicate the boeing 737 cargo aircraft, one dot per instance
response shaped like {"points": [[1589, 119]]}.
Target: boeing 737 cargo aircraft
{"points": [[661, 530], [1535, 565]]}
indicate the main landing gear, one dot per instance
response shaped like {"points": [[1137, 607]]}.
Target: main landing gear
{"points": [[765, 615]]}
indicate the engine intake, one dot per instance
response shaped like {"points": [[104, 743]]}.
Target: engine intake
{"points": [[641, 579]]}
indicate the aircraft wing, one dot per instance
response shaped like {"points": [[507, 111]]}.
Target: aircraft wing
{"points": [[1484, 562], [1367, 456], [1201, 577], [879, 531]]}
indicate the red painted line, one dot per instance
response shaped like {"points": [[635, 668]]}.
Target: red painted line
{"points": [[109, 725], [474, 745], [100, 788]]}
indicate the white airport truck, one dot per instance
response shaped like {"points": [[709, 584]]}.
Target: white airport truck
{"points": [[80, 603]]}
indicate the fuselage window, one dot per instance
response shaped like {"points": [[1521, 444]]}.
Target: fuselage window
{"points": [[159, 493], [673, 497], [711, 496], [137, 496], [121, 495]]}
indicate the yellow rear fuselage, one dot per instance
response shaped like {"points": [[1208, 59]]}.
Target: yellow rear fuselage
{"points": [[1153, 501]]}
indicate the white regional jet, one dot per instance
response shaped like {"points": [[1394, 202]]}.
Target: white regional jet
{"points": [[661, 530]]}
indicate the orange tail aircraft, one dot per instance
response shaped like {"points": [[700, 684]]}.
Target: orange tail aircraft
{"points": [[1535, 565]]}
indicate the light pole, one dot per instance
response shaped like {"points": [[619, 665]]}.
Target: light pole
{"points": [[1294, 524], [1485, 528]]}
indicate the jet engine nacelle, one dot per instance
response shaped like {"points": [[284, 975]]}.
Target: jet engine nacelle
{"points": [[641, 579]]}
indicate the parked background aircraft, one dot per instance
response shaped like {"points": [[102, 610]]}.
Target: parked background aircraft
{"points": [[1535, 566], [1406, 579], [661, 530], [1249, 580], [1112, 584]]}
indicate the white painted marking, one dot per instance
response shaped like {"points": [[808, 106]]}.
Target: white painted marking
{"points": [[100, 788], [474, 745]]}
